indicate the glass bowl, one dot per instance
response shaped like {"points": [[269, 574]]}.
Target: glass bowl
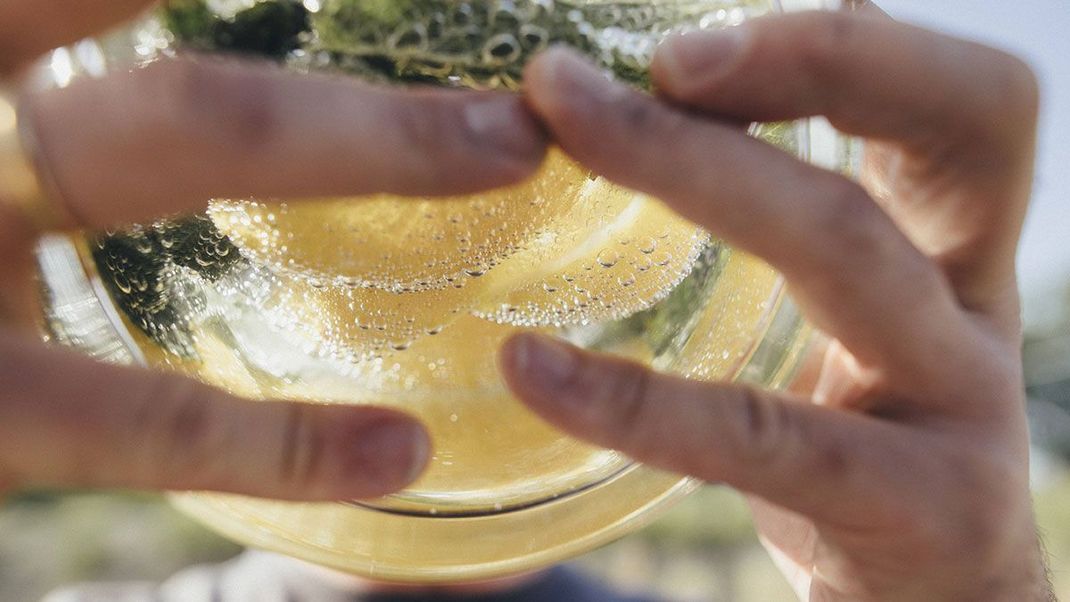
{"points": [[403, 302]]}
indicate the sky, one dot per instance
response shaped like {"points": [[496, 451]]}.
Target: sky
{"points": [[1038, 31]]}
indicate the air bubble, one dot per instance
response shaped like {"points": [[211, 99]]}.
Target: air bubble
{"points": [[383, 243], [608, 258], [409, 38], [608, 282], [501, 49]]}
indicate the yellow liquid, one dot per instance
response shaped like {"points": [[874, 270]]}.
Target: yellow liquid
{"points": [[275, 301], [396, 547], [404, 303]]}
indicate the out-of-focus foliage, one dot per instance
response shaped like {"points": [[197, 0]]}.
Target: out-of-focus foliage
{"points": [[48, 540], [704, 549], [1046, 358]]}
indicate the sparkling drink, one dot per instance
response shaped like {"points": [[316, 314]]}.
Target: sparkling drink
{"points": [[403, 302]]}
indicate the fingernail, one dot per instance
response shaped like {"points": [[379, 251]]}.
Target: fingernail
{"points": [[549, 365], [503, 125], [394, 449], [704, 55]]}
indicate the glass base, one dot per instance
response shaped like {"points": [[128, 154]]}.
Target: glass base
{"points": [[749, 331]]}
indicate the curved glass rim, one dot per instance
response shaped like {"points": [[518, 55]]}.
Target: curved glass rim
{"points": [[602, 513]]}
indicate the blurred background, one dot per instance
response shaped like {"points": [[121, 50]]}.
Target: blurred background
{"points": [[705, 549]]}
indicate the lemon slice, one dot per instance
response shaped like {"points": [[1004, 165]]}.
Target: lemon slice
{"points": [[612, 254], [366, 278], [396, 244], [357, 323]]}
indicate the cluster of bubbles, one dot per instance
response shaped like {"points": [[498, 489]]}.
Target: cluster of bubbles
{"points": [[401, 245], [485, 44], [361, 286], [371, 277], [405, 301], [481, 44], [366, 278], [143, 269]]}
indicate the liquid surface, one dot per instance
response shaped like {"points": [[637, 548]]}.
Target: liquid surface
{"points": [[472, 44]]}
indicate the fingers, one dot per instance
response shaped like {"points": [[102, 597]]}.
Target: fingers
{"points": [[30, 27], [871, 77], [962, 118], [854, 272], [66, 421], [793, 454], [168, 137]]}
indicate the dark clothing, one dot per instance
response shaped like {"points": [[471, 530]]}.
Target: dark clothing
{"points": [[262, 577], [559, 585]]}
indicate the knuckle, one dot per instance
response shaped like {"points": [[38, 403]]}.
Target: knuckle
{"points": [[638, 114], [424, 128], [600, 131], [627, 394], [1005, 108], [181, 438], [824, 36], [834, 461], [1020, 90], [765, 428], [622, 147], [301, 447], [641, 117], [858, 231]]}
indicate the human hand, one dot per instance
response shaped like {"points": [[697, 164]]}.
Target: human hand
{"points": [[904, 474], [164, 139]]}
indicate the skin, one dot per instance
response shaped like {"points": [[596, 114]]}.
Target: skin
{"points": [[68, 422], [902, 473]]}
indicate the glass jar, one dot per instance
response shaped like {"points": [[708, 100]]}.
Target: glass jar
{"points": [[404, 302]]}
